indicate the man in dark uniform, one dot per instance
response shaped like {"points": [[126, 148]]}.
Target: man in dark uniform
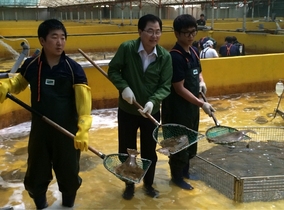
{"points": [[229, 49], [239, 45], [183, 104], [60, 92], [201, 21]]}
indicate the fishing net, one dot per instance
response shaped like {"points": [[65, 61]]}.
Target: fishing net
{"points": [[113, 161], [173, 137], [217, 131]]}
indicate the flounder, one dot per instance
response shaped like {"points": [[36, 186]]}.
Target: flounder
{"points": [[172, 145], [129, 169], [232, 137]]}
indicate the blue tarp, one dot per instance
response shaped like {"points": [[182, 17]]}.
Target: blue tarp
{"points": [[19, 2]]}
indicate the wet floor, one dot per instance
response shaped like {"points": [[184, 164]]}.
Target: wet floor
{"points": [[102, 190]]}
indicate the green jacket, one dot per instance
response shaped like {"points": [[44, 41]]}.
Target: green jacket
{"points": [[126, 70]]}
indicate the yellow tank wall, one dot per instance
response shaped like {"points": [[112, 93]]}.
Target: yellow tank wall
{"points": [[11, 113], [104, 94], [71, 30], [254, 42], [242, 74], [234, 25], [219, 25]]}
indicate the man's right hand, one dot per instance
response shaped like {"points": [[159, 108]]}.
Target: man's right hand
{"points": [[128, 95], [15, 84], [208, 109]]}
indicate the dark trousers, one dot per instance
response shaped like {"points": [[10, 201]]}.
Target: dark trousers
{"points": [[181, 159], [50, 149], [128, 125]]}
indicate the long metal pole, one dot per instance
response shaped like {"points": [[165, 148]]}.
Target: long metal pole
{"points": [[244, 15], [268, 11], [212, 15]]}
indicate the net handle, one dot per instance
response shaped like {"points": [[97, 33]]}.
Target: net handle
{"points": [[66, 132], [50, 122], [105, 74], [213, 116]]}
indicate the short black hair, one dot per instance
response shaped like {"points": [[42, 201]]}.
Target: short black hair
{"points": [[202, 15], [48, 25], [229, 39], [142, 22], [184, 21], [234, 38]]}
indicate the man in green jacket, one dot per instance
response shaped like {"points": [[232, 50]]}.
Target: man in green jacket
{"points": [[141, 70]]}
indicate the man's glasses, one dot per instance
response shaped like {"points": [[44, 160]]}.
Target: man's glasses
{"points": [[151, 32], [189, 33]]}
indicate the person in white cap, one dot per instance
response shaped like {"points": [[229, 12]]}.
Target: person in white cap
{"points": [[208, 50]]}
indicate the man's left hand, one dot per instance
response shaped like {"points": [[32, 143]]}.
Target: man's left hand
{"points": [[202, 87], [147, 109]]}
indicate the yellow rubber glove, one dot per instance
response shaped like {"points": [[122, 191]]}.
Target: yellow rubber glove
{"points": [[83, 105], [13, 85]]}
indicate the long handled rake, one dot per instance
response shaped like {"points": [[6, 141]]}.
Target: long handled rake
{"points": [[111, 162], [172, 137]]}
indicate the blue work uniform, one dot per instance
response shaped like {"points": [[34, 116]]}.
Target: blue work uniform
{"points": [[53, 96], [228, 50], [175, 109]]}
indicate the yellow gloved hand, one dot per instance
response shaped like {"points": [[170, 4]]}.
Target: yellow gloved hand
{"points": [[13, 85], [81, 139], [4, 89], [83, 105]]}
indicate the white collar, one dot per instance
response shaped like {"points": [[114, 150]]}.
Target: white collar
{"points": [[141, 48]]}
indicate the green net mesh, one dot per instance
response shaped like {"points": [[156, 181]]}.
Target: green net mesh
{"points": [[216, 131], [112, 161]]}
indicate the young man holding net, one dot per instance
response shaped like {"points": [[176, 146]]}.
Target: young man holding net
{"points": [[141, 70], [59, 91], [183, 104]]}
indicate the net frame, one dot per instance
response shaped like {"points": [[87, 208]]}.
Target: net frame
{"points": [[172, 130], [111, 161], [217, 131]]}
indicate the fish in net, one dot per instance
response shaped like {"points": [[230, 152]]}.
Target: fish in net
{"points": [[174, 137], [170, 145], [130, 169], [229, 137]]}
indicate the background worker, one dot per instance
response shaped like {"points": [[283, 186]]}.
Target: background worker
{"points": [[203, 40], [229, 49], [182, 106], [201, 21], [59, 91], [208, 51], [141, 70], [239, 45]]}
